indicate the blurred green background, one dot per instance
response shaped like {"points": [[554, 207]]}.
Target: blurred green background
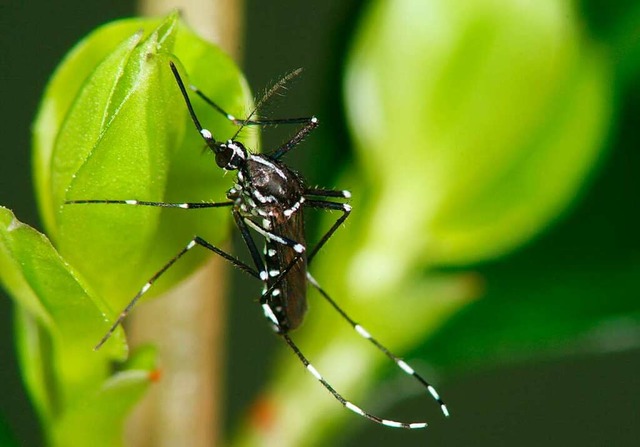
{"points": [[568, 375]]}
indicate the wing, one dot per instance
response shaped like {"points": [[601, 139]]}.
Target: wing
{"points": [[291, 303]]}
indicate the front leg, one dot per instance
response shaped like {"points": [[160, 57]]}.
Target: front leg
{"points": [[134, 202]]}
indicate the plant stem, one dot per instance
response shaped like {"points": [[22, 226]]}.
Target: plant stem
{"points": [[219, 21], [188, 323]]}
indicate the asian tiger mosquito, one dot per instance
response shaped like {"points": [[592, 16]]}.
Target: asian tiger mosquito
{"points": [[268, 197]]}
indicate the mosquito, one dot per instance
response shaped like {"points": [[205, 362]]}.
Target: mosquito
{"points": [[270, 198]]}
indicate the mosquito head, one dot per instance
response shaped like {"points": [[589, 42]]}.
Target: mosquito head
{"points": [[230, 155]]}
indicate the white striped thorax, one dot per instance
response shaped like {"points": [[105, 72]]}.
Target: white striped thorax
{"points": [[270, 165], [296, 206]]}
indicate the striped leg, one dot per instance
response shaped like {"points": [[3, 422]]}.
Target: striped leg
{"points": [[241, 223], [321, 204], [320, 192], [342, 400], [184, 205], [311, 201], [206, 134], [404, 366], [195, 241], [296, 139], [299, 248], [264, 274], [278, 275], [267, 95]]}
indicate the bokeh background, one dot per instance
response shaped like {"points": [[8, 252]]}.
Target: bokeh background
{"points": [[567, 375]]}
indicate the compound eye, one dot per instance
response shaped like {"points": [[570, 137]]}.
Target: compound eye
{"points": [[231, 155]]}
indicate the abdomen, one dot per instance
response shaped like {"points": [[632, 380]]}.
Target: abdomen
{"points": [[288, 300]]}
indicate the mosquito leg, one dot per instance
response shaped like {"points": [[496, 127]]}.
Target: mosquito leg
{"points": [[357, 327], [247, 122], [195, 241], [366, 335], [321, 204], [329, 193], [296, 246], [185, 205], [206, 134], [314, 372], [251, 245], [299, 248], [296, 139], [243, 224], [239, 121]]}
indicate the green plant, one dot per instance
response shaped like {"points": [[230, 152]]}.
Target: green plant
{"points": [[476, 125], [111, 124]]}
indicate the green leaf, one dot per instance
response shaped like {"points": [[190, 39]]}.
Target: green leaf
{"points": [[59, 96], [34, 351], [126, 135], [58, 321], [482, 120], [115, 140], [98, 421], [61, 322], [112, 125]]}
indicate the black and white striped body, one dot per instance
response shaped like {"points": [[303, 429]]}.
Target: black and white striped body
{"points": [[271, 195], [288, 298]]}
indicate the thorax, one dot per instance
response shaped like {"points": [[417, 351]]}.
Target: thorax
{"points": [[267, 189]]}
